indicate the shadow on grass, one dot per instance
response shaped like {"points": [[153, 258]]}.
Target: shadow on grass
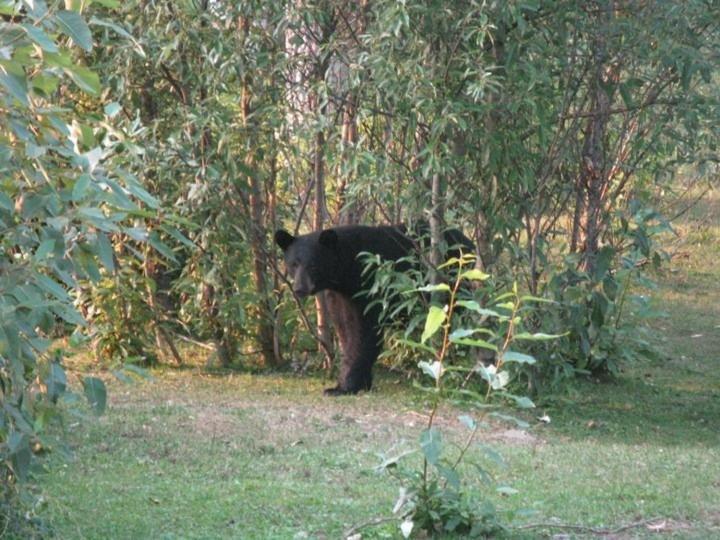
{"points": [[675, 402], [631, 410]]}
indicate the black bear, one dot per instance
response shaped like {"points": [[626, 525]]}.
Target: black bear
{"points": [[328, 261]]}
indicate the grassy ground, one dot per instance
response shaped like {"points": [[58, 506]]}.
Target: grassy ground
{"points": [[195, 455]]}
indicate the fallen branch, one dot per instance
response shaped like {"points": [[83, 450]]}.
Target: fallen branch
{"points": [[369, 523], [195, 342], [590, 530]]}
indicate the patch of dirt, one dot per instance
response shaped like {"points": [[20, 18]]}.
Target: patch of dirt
{"points": [[209, 422], [255, 417], [712, 518], [514, 436]]}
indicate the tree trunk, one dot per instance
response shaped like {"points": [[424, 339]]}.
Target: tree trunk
{"points": [[222, 341], [594, 179], [436, 222], [323, 320], [349, 211], [272, 218], [265, 331], [162, 336]]}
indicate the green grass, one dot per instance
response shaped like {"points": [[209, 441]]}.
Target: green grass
{"points": [[190, 454]]}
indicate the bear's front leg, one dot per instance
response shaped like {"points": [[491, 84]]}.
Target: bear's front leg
{"points": [[359, 337]]}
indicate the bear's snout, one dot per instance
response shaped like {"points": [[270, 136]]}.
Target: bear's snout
{"points": [[302, 292]]}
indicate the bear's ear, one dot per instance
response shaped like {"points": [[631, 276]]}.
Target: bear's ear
{"points": [[283, 239], [328, 238]]}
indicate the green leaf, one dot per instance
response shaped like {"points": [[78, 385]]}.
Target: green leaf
{"points": [[435, 318], [434, 288], [161, 247], [500, 380], [56, 381], [450, 262], [69, 314], [136, 189], [472, 305], [524, 402], [6, 202], [435, 370], [15, 84], [86, 79], [112, 109], [44, 249], [520, 358], [520, 401], [465, 332], [475, 343], [105, 252], [493, 455], [467, 421], [45, 84], [539, 336], [529, 298], [451, 475], [73, 25], [431, 444], [506, 490], [97, 218], [119, 196], [61, 59], [19, 450], [8, 7], [51, 286], [416, 345], [119, 375], [518, 422], [137, 370], [95, 393], [81, 187], [34, 151], [177, 235], [88, 263], [475, 275], [626, 95], [119, 30], [40, 37]]}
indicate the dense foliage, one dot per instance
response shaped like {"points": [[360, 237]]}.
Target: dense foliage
{"points": [[67, 205], [545, 130]]}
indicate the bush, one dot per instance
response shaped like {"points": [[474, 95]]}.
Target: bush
{"points": [[434, 498]]}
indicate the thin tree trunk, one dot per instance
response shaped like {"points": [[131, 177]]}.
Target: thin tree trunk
{"points": [[594, 177], [575, 236], [272, 218], [349, 211], [257, 237], [222, 341], [436, 222], [162, 337], [323, 320]]}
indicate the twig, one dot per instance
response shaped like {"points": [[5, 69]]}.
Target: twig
{"points": [[196, 342], [591, 530]]}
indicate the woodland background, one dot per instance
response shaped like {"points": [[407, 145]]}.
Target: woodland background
{"points": [[148, 151]]}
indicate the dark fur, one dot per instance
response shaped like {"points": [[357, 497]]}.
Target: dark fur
{"points": [[328, 261]]}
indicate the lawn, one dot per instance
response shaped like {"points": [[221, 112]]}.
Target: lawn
{"points": [[193, 454]]}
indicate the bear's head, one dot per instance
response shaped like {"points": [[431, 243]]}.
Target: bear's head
{"points": [[311, 260]]}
